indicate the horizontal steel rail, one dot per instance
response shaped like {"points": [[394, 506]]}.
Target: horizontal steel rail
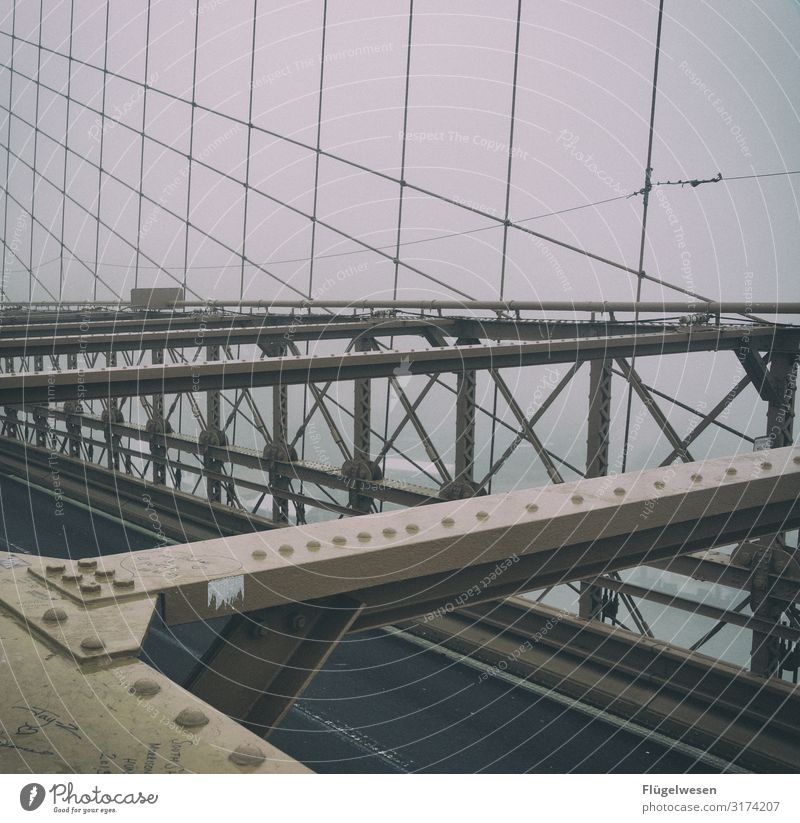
{"points": [[712, 705], [42, 387]]}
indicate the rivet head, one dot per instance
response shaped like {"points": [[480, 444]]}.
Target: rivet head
{"points": [[87, 565], [54, 616], [659, 484], [412, 528], [730, 471], [364, 537], [619, 491], [482, 515], [54, 568], [696, 478], [145, 687], [71, 578], [92, 644], [389, 532], [247, 756], [447, 522], [313, 545], [796, 460], [123, 583], [90, 588], [191, 718], [286, 550], [259, 554], [532, 507], [577, 499], [766, 465], [104, 574], [339, 540]]}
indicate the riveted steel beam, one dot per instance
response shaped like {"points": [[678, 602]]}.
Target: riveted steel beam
{"points": [[77, 682], [16, 389], [402, 563]]}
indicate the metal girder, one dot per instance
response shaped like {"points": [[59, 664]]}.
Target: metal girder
{"points": [[361, 466], [599, 419], [400, 561], [213, 431], [380, 568], [713, 705], [783, 583], [75, 698], [267, 332], [767, 652], [530, 423], [259, 665], [688, 305], [528, 432], [464, 474], [655, 411], [16, 389], [407, 494], [674, 601], [708, 420], [757, 370], [597, 442], [176, 515]]}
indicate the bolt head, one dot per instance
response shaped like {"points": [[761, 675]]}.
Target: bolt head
{"points": [[145, 687], [124, 583], [54, 616], [298, 622], [92, 644], [247, 756], [191, 718], [87, 564], [54, 568]]}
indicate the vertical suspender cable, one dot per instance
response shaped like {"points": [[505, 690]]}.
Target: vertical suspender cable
{"points": [[645, 202], [401, 192], [144, 129], [506, 213]]}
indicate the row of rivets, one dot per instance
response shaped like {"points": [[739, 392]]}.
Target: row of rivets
{"points": [[448, 522]]}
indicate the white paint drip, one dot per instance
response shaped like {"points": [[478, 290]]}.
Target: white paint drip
{"points": [[224, 592]]}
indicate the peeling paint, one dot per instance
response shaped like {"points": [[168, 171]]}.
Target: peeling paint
{"points": [[223, 593]]}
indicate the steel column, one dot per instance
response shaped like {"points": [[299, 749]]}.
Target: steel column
{"points": [[597, 440]]}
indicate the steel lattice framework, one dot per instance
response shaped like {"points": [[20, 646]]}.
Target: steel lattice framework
{"points": [[320, 465]]}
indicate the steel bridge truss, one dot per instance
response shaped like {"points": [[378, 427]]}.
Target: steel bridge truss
{"points": [[192, 414]]}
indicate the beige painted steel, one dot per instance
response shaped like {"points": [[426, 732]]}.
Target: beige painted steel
{"points": [[263, 569], [67, 709]]}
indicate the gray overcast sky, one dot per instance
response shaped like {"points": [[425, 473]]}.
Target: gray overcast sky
{"points": [[728, 102]]}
